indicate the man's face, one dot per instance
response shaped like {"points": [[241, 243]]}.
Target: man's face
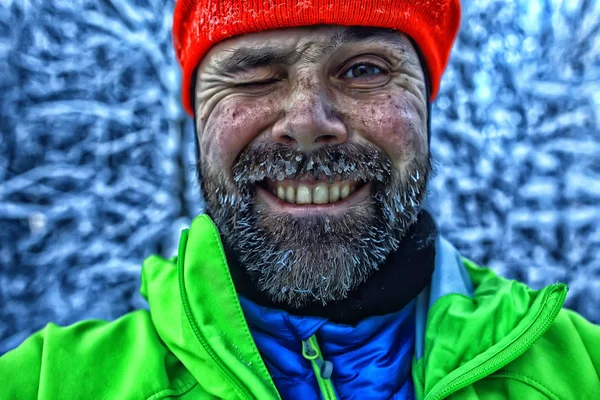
{"points": [[314, 153]]}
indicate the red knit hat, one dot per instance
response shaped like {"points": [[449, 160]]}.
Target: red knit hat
{"points": [[199, 24]]}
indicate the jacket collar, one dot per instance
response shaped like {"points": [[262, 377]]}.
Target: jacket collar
{"points": [[449, 276], [196, 312], [472, 322]]}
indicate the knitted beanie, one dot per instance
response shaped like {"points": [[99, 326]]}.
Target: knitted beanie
{"points": [[200, 24]]}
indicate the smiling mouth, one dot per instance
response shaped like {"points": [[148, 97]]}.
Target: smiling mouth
{"points": [[318, 192]]}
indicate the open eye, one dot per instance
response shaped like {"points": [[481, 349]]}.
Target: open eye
{"points": [[362, 70]]}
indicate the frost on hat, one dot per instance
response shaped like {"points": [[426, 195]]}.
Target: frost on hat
{"points": [[200, 24]]}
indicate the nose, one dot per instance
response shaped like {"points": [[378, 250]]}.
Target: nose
{"points": [[309, 120]]}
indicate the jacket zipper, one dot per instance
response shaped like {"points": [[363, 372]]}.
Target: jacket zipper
{"points": [[233, 378], [322, 368], [537, 328]]}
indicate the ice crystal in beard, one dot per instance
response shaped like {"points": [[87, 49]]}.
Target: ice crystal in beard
{"points": [[301, 259], [274, 161]]}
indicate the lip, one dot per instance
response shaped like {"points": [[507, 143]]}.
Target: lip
{"points": [[339, 207]]}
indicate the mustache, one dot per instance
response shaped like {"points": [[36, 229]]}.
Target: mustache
{"points": [[276, 161]]}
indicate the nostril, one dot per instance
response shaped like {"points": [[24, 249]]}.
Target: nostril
{"points": [[287, 139], [323, 139]]}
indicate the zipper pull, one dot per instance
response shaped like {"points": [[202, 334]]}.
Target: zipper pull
{"points": [[312, 353]]}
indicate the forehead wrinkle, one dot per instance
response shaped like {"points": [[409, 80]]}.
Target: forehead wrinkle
{"points": [[312, 52]]}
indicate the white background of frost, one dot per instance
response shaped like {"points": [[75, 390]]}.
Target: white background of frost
{"points": [[96, 154]]}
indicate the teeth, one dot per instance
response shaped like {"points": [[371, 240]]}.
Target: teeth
{"points": [[303, 195], [320, 194], [345, 190], [290, 195], [281, 192], [334, 193]]}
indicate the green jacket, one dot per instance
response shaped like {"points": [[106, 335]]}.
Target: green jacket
{"points": [[479, 336]]}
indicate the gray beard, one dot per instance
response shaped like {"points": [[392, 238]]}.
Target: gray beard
{"points": [[297, 260]]}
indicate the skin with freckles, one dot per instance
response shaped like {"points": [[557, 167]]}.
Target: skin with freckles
{"points": [[325, 104]]}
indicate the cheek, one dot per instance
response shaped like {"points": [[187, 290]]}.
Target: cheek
{"points": [[390, 123], [231, 126]]}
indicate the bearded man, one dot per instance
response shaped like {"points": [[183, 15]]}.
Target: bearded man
{"points": [[316, 272]]}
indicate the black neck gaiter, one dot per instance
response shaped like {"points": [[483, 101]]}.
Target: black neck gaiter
{"points": [[403, 275]]}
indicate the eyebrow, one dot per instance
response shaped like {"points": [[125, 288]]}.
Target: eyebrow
{"points": [[355, 34], [248, 58]]}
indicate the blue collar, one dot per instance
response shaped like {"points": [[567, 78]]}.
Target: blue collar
{"points": [[370, 360]]}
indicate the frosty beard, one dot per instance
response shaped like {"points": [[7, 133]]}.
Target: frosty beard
{"points": [[298, 260]]}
